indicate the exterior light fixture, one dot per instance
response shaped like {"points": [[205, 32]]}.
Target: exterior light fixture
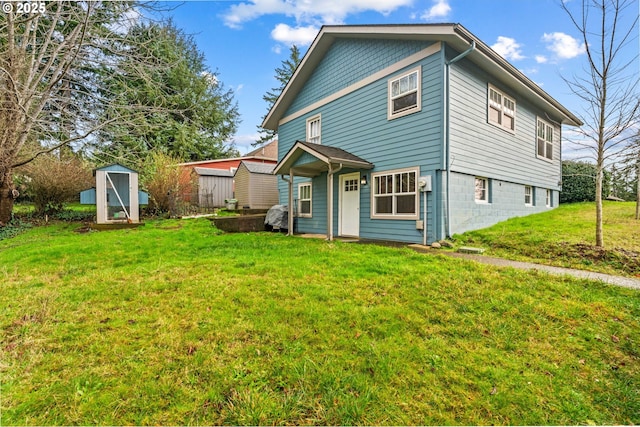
{"points": [[363, 180]]}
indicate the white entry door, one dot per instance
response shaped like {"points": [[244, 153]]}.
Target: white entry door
{"points": [[349, 205]]}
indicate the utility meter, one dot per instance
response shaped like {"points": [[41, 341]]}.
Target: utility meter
{"points": [[424, 182]]}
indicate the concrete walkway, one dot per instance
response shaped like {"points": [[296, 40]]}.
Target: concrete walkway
{"points": [[626, 282]]}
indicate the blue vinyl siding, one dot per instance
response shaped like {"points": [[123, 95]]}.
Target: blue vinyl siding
{"points": [[349, 61], [480, 148], [358, 123]]}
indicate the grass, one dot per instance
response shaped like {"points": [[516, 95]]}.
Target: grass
{"points": [[565, 237], [176, 323]]}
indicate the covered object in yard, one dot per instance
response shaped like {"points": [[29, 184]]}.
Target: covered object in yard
{"points": [[214, 186], [256, 187], [277, 217]]}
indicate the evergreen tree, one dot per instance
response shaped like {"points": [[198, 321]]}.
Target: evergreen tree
{"points": [[283, 74], [184, 110]]}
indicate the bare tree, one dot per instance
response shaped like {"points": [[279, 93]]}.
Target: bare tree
{"points": [[609, 86], [51, 57]]}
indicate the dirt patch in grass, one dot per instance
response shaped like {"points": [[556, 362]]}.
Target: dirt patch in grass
{"points": [[620, 259]]}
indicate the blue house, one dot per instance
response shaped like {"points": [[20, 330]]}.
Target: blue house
{"points": [[413, 133]]}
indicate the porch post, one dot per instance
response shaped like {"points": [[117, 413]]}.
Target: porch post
{"points": [[290, 215], [330, 203]]}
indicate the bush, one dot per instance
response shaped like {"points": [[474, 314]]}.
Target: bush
{"points": [[161, 178], [50, 181], [579, 182]]}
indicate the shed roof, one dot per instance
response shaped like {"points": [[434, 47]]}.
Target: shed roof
{"points": [[213, 172], [263, 168], [454, 35]]}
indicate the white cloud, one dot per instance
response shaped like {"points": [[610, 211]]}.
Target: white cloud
{"points": [[541, 59], [244, 142], [508, 48], [300, 36], [308, 12], [563, 45], [440, 9]]}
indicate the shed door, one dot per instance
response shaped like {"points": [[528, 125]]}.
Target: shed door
{"points": [[349, 224]]}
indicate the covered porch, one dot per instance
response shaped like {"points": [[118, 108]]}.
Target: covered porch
{"points": [[306, 159]]}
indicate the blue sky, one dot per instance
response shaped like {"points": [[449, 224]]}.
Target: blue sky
{"points": [[244, 41]]}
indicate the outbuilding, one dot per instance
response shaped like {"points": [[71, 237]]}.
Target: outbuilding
{"points": [[115, 195], [214, 186], [256, 187]]}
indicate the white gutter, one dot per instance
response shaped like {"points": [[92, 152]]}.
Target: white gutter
{"points": [[446, 129]]}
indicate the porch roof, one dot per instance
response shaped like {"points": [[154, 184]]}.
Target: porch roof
{"points": [[324, 156]]}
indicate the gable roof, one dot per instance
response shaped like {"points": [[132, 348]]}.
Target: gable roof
{"points": [[261, 168], [454, 35], [325, 156], [269, 151]]}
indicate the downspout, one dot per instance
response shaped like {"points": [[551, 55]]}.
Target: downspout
{"points": [[330, 173], [289, 179], [446, 129]]}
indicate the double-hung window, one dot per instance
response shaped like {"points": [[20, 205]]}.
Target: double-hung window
{"points": [[304, 200], [404, 94], [501, 110], [313, 130], [395, 194], [482, 190], [528, 195], [544, 140]]}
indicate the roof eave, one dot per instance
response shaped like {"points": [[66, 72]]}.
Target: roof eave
{"points": [[455, 35]]}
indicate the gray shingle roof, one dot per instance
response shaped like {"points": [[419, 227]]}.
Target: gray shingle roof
{"points": [[255, 167]]}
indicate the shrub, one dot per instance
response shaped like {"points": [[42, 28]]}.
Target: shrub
{"points": [[579, 182], [161, 178], [50, 181]]}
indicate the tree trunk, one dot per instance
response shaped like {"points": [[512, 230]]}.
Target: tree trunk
{"points": [[7, 195], [638, 189], [599, 179]]}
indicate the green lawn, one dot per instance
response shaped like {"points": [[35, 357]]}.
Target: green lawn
{"points": [[565, 237], [176, 323]]}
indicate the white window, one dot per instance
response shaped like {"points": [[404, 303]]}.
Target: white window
{"points": [[313, 130], [544, 140], [482, 190], [404, 94], [549, 201], [395, 195], [528, 195], [501, 110], [304, 200]]}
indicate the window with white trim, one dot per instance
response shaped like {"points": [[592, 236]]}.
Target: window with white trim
{"points": [[404, 94], [549, 200], [501, 110], [482, 190], [528, 195], [304, 200], [395, 194], [313, 130], [544, 140]]}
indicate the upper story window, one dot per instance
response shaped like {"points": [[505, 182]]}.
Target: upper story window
{"points": [[501, 110], [544, 140], [395, 194], [313, 130], [404, 94], [304, 199]]}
